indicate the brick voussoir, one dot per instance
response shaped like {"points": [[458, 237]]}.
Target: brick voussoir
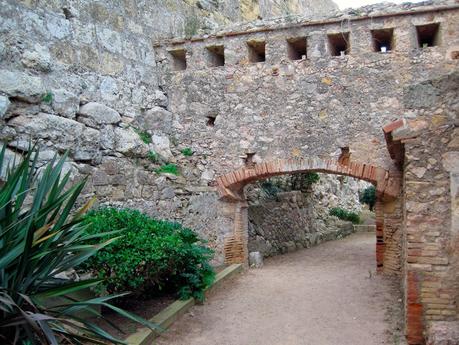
{"points": [[386, 184]]}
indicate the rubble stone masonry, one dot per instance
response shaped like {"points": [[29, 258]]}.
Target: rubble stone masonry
{"points": [[370, 93]]}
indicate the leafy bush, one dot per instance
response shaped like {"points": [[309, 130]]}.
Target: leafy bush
{"points": [[269, 190], [187, 152], [167, 168], [151, 257], [47, 97], [40, 238], [144, 136], [345, 215], [368, 196], [310, 178]]}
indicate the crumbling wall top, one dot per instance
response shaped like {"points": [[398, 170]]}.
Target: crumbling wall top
{"points": [[374, 11]]}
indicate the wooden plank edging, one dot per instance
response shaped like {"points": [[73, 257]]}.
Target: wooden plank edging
{"points": [[166, 317]]}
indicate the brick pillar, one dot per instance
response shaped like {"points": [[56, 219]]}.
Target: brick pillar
{"points": [[414, 310], [236, 250], [392, 236], [380, 246]]}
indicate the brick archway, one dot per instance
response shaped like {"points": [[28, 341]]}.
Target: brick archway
{"points": [[230, 188]]}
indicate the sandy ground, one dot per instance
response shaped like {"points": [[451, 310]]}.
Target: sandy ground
{"points": [[326, 295]]}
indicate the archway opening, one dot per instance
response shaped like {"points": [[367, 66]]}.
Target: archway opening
{"points": [[295, 211]]}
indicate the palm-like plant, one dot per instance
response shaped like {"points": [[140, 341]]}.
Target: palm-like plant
{"points": [[42, 235]]}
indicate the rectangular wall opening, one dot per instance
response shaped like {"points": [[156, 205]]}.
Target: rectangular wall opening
{"points": [[178, 59], [215, 56], [383, 40], [428, 35], [297, 48], [339, 44], [257, 51]]}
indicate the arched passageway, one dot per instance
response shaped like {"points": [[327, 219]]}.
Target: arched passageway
{"points": [[388, 207]]}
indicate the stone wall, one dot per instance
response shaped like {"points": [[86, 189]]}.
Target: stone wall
{"points": [[323, 102], [86, 77], [295, 219], [82, 76], [431, 208], [278, 227]]}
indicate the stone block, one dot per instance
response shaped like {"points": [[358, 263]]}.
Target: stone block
{"points": [[38, 59], [95, 114], [128, 142], [4, 104], [158, 119], [255, 260], [443, 333], [21, 85], [65, 103]]}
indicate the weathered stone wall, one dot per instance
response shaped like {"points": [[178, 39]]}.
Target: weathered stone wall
{"points": [[304, 108], [76, 77], [300, 219], [84, 76], [310, 8], [431, 208]]}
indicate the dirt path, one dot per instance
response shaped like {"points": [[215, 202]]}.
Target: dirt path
{"points": [[326, 295]]}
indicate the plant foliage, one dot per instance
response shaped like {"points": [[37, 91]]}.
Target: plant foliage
{"points": [[345, 215], [47, 97], [167, 168], [41, 236], [368, 196], [187, 152], [144, 136], [153, 256]]}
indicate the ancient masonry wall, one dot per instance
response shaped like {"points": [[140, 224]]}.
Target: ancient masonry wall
{"points": [[431, 206], [294, 219], [82, 77], [86, 78]]}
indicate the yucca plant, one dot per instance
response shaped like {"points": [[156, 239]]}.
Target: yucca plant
{"points": [[42, 235]]}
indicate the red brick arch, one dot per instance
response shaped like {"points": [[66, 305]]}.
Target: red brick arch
{"points": [[230, 187]]}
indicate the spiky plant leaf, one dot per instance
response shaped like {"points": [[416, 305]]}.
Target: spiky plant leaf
{"points": [[41, 235]]}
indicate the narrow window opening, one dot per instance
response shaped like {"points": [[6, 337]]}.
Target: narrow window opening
{"points": [[248, 159], [67, 13], [383, 40], [297, 48], [257, 51], [428, 35], [178, 59], [211, 120], [216, 56], [339, 44], [345, 156]]}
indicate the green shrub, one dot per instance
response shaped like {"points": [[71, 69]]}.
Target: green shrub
{"points": [[153, 157], [151, 257], [345, 215], [187, 152], [41, 236], [144, 136], [167, 168], [311, 178], [269, 190], [47, 97], [368, 196]]}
